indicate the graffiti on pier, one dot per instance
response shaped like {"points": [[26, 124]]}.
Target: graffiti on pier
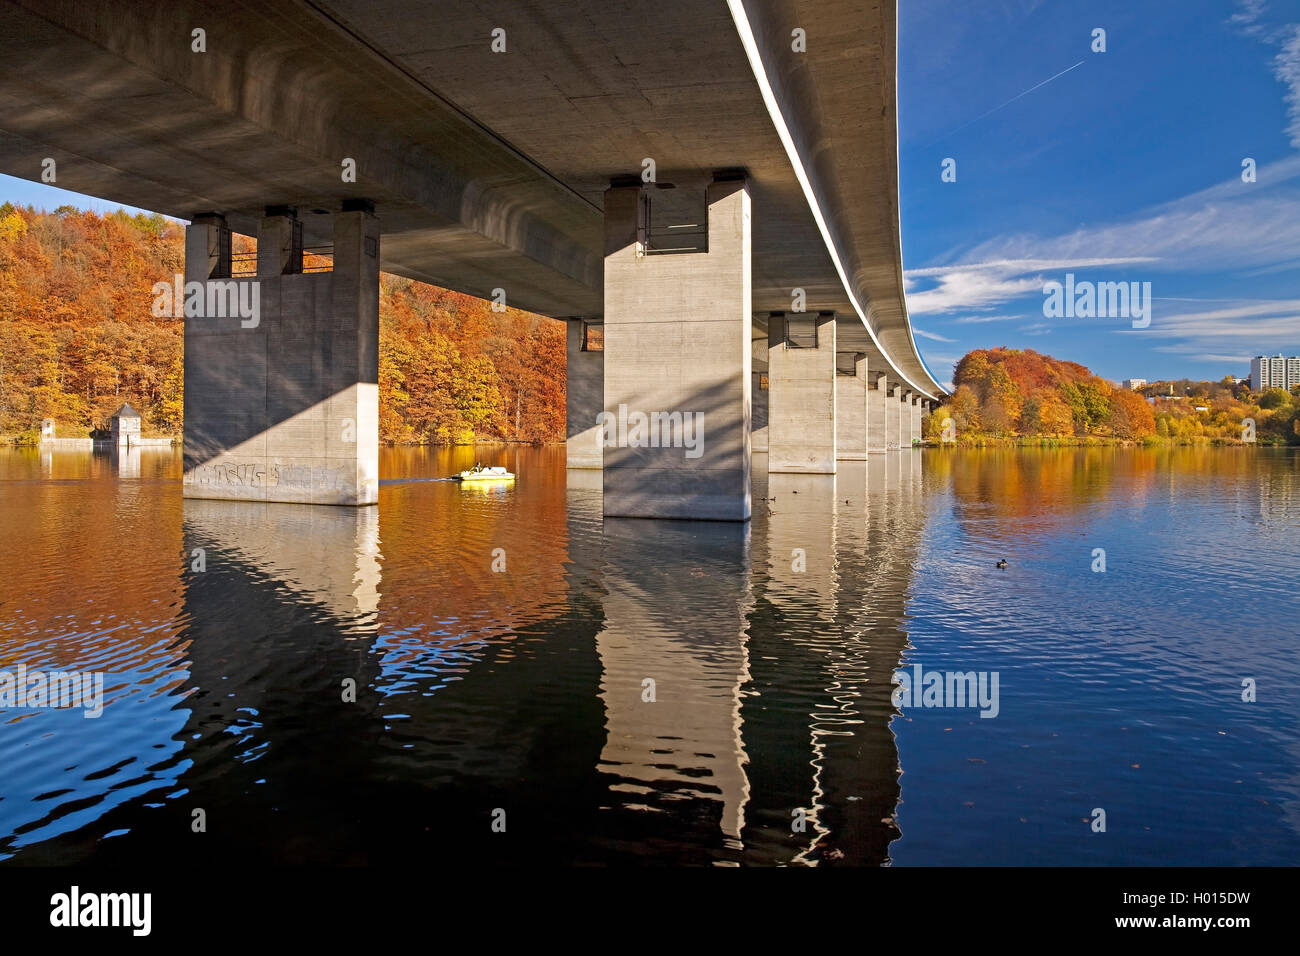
{"points": [[227, 473], [258, 475], [316, 477]]}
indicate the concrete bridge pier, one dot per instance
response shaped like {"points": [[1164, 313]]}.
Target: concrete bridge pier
{"points": [[677, 364], [914, 414], [893, 417], [801, 419], [584, 393], [282, 368], [851, 407], [877, 396], [758, 392]]}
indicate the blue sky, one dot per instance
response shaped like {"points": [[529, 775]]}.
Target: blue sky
{"points": [[21, 192], [1128, 167]]}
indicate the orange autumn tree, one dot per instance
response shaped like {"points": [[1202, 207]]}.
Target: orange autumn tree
{"points": [[451, 370], [1010, 393], [78, 338]]}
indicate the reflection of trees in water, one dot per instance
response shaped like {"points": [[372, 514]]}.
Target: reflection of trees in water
{"points": [[1037, 490], [439, 542], [93, 576]]}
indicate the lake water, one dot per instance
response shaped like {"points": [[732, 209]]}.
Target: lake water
{"points": [[520, 696]]}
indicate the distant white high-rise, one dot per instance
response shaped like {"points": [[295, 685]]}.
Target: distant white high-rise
{"points": [[1133, 384], [1275, 372]]}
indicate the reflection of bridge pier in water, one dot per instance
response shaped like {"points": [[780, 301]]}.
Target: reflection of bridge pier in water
{"points": [[287, 596], [320, 553], [772, 683], [828, 640], [676, 604], [282, 611], [801, 583]]}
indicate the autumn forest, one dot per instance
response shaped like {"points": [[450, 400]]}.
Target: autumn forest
{"points": [[1006, 395], [78, 338]]}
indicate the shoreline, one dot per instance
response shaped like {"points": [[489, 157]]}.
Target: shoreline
{"points": [[1096, 442]]}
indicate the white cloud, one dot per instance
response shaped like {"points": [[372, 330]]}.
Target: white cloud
{"points": [[960, 288], [1241, 310], [1263, 322], [1230, 225], [1238, 359], [974, 319], [931, 335], [1286, 67], [1246, 19], [1231, 334], [1028, 265], [1213, 357]]}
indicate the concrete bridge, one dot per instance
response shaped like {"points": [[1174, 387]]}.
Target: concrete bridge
{"points": [[706, 189]]}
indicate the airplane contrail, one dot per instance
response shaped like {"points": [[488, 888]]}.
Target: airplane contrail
{"points": [[1016, 97]]}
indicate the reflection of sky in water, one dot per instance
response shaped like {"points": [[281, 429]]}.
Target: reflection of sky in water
{"points": [[1121, 689], [420, 661], [62, 771]]}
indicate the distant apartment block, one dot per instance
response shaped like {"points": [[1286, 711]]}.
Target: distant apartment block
{"points": [[1275, 372], [1133, 384]]}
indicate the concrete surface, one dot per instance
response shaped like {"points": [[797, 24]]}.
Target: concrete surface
{"points": [[893, 417], [287, 409], [851, 408], [677, 340], [877, 396], [801, 400], [583, 400]]}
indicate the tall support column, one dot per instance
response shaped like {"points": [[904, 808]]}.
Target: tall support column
{"points": [[282, 369], [801, 394], [893, 416], [758, 392], [677, 363], [915, 414], [207, 248], [877, 396], [279, 242], [851, 407], [584, 394]]}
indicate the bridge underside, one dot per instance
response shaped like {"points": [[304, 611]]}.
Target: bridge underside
{"points": [[490, 170]]}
